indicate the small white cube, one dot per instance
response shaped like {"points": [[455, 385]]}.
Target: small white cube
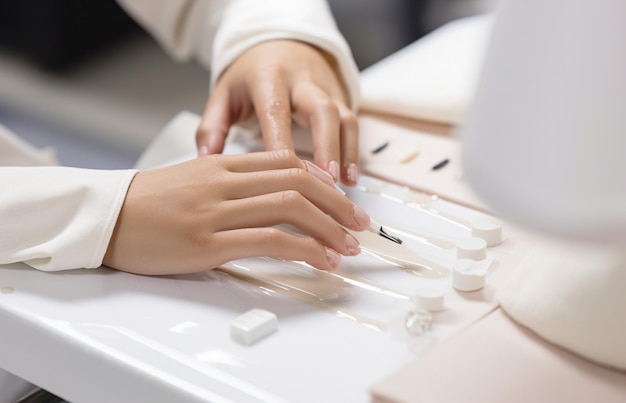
{"points": [[252, 326]]}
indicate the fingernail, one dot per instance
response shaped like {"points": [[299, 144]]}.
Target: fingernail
{"points": [[353, 172], [361, 217], [352, 245], [333, 258], [319, 173], [333, 169], [204, 150]]}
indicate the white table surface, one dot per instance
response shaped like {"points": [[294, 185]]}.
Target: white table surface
{"points": [[103, 335]]}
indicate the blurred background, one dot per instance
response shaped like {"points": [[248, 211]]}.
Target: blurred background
{"points": [[83, 78]]}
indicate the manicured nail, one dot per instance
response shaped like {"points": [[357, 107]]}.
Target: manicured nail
{"points": [[333, 169], [361, 217], [333, 258], [352, 245], [204, 150], [319, 173], [353, 172]]}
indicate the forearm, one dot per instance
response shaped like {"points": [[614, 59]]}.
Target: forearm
{"points": [[56, 218]]}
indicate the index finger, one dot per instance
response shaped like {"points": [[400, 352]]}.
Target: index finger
{"points": [[261, 161]]}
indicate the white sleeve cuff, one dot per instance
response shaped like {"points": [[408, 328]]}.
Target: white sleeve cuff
{"points": [[58, 218]]}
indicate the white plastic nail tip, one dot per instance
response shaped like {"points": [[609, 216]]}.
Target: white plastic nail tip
{"points": [[468, 275], [471, 248], [490, 231], [252, 326], [429, 299]]}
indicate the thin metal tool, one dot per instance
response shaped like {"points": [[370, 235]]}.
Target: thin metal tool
{"points": [[375, 226]]}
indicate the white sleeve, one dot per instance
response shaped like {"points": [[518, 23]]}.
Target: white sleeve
{"points": [[56, 218], [216, 32]]}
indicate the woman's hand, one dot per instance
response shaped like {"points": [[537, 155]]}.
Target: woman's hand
{"points": [[200, 214], [279, 81]]}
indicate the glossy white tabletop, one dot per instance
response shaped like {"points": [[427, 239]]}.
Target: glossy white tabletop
{"points": [[102, 335]]}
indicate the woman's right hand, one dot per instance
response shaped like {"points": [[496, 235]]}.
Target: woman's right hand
{"points": [[203, 213]]}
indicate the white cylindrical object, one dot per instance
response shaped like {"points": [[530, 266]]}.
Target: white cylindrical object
{"points": [[490, 231], [544, 146], [471, 248], [430, 299], [544, 142], [468, 275]]}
